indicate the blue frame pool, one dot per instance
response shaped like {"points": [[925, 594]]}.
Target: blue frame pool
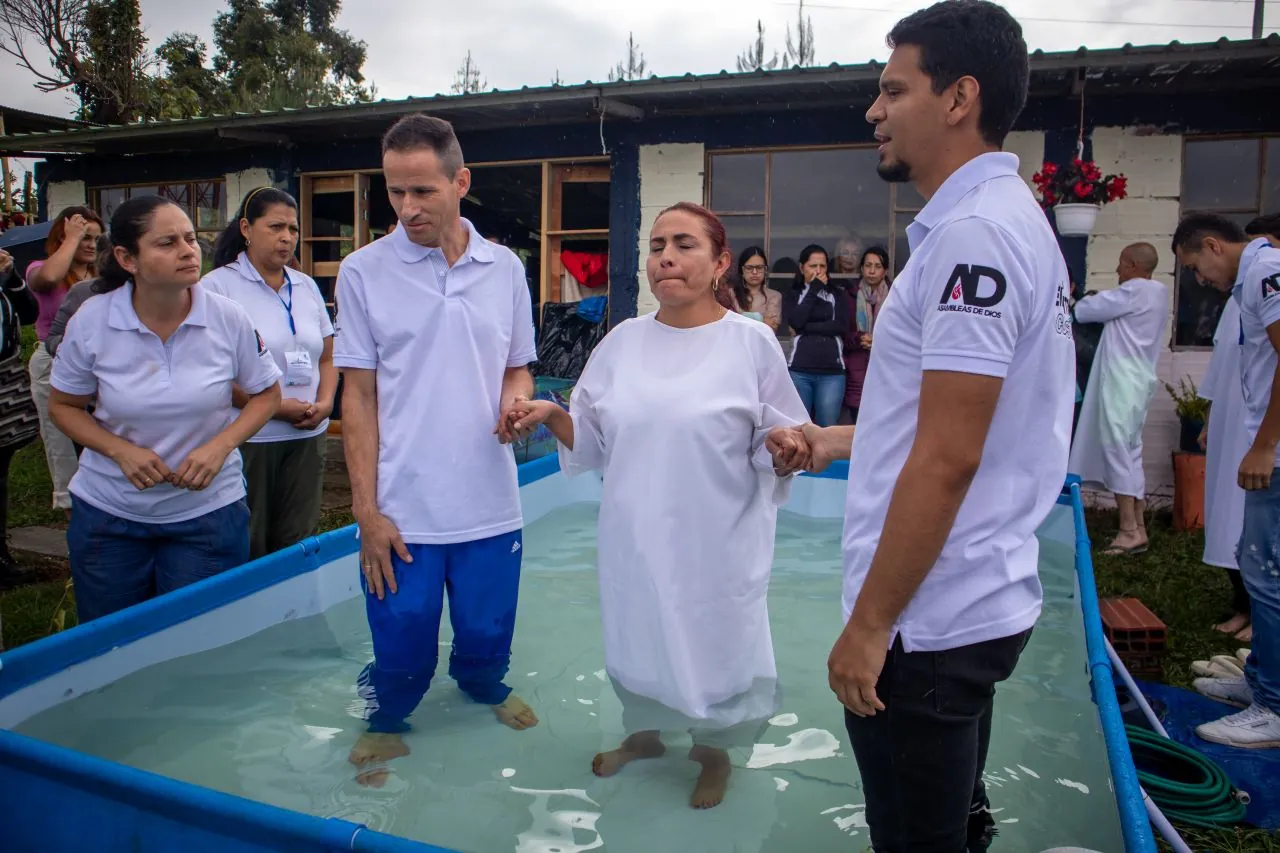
{"points": [[106, 806]]}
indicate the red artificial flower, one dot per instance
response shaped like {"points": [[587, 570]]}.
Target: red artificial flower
{"points": [[1082, 189], [1118, 188]]}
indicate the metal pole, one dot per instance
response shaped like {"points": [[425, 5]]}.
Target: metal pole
{"points": [[1258, 6], [5, 197]]}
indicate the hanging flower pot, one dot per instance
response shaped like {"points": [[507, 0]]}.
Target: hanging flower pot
{"points": [[1075, 220], [1076, 192]]}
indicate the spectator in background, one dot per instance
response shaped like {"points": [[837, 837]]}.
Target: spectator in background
{"points": [[284, 462], [76, 296], [865, 297], [816, 311], [72, 249], [19, 424], [1107, 446], [848, 261], [755, 298], [159, 500]]}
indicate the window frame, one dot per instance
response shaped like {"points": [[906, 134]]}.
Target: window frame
{"points": [[1263, 140], [94, 194], [894, 212]]}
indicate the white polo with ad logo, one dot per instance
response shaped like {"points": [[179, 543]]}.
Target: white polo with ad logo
{"points": [[986, 291]]}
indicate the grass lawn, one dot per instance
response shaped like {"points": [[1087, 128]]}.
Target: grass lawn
{"points": [[1170, 579]]}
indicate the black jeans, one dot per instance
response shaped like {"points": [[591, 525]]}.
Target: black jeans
{"points": [[922, 757]]}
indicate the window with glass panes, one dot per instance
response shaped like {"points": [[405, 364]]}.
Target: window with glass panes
{"points": [[204, 201], [785, 199], [1240, 179]]}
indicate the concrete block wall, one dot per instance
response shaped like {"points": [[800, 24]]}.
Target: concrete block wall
{"points": [[668, 174], [1028, 145], [240, 183], [1153, 165], [64, 194]]}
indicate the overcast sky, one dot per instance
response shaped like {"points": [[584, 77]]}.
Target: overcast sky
{"points": [[415, 46]]}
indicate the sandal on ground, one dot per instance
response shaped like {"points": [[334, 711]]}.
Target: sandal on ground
{"points": [[1219, 666]]}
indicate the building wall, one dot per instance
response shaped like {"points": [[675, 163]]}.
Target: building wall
{"points": [[63, 194], [1153, 165], [240, 183], [668, 174]]}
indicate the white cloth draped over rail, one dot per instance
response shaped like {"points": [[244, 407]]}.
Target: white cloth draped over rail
{"points": [[1228, 443], [676, 420], [1107, 448]]}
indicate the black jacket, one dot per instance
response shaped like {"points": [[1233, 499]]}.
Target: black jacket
{"points": [[818, 313], [18, 307]]}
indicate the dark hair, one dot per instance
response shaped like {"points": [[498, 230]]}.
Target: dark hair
{"points": [[1267, 225], [978, 39], [880, 252], [740, 291], [423, 131], [803, 258], [58, 233], [253, 206], [1194, 227], [130, 221]]}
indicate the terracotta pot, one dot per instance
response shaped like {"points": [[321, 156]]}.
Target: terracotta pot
{"points": [[1188, 490]]}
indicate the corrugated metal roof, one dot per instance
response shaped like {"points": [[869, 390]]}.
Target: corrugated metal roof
{"points": [[1204, 66], [27, 122]]}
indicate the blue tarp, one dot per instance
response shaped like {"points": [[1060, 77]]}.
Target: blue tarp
{"points": [[1251, 770]]}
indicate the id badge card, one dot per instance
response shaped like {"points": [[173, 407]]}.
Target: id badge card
{"points": [[297, 367]]}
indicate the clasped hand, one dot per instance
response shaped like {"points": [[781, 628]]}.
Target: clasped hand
{"points": [[800, 448]]}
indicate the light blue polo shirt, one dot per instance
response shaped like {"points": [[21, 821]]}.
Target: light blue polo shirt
{"points": [[985, 292], [169, 397], [440, 339], [1257, 292], [291, 320]]}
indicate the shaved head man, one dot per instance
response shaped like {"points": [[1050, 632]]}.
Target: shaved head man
{"points": [[1107, 447]]}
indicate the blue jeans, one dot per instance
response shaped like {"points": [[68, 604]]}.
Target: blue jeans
{"points": [[1258, 556], [822, 394], [116, 563], [483, 581]]}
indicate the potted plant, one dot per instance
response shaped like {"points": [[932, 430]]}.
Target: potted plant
{"points": [[1192, 411], [1076, 192]]}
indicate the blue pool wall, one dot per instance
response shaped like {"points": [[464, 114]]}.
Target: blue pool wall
{"points": [[100, 805]]}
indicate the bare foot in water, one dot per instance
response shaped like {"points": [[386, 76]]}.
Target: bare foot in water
{"points": [[714, 778], [638, 745], [370, 755], [516, 713]]}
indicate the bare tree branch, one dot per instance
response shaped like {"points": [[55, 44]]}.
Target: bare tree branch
{"points": [[58, 25]]}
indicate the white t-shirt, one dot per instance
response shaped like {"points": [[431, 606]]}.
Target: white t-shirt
{"points": [[440, 339], [169, 397], [300, 300], [985, 292], [1257, 290]]}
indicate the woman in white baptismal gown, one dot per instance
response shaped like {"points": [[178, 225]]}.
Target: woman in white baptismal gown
{"points": [[685, 412]]}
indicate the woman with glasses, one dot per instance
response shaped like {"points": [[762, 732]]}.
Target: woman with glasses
{"points": [[751, 289]]}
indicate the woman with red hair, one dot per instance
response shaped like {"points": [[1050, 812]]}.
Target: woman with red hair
{"points": [[71, 252], [682, 410]]}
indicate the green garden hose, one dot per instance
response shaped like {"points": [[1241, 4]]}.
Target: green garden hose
{"points": [[1189, 788]]}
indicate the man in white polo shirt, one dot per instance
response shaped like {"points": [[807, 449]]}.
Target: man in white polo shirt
{"points": [[1220, 253], [434, 336], [962, 439]]}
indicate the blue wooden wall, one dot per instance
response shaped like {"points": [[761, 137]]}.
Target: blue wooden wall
{"points": [[1058, 117]]}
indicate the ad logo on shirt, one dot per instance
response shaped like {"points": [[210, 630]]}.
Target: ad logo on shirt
{"points": [[974, 289], [1270, 286], [262, 346], [1062, 319]]}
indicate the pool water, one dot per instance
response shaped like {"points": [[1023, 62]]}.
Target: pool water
{"points": [[272, 718]]}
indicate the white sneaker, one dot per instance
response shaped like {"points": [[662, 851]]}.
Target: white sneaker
{"points": [[1232, 691], [1253, 728]]}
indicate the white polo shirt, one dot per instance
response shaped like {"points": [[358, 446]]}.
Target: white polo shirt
{"points": [[168, 397], [291, 321], [1257, 291], [985, 292], [440, 339]]}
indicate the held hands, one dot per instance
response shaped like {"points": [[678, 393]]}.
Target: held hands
{"points": [[198, 469], [314, 415], [789, 449], [1255, 469], [523, 417]]}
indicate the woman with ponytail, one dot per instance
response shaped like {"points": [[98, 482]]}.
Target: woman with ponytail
{"points": [[284, 462], [158, 501]]}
